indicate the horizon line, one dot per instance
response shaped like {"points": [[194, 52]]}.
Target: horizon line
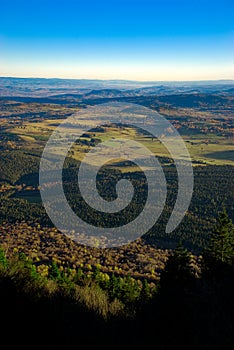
{"points": [[113, 79]]}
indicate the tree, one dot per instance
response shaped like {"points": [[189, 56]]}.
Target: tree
{"points": [[114, 287], [221, 247], [145, 291], [130, 290], [54, 272], [3, 259], [79, 277], [177, 272]]}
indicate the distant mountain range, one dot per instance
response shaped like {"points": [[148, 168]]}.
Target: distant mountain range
{"points": [[86, 89]]}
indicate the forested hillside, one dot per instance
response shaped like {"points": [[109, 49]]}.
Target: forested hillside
{"points": [[213, 191], [60, 308]]}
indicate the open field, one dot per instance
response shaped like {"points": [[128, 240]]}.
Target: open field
{"points": [[207, 149]]}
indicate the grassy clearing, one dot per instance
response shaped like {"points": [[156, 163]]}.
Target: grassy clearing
{"points": [[219, 153], [207, 148]]}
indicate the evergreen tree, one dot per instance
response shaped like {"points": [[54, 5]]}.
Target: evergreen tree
{"points": [[177, 272], [79, 277], [221, 247], [114, 287], [54, 272], [145, 291], [130, 290], [33, 272], [96, 275], [3, 259]]}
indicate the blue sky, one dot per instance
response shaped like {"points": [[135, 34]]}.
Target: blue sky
{"points": [[139, 40]]}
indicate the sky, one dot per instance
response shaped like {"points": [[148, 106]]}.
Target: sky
{"points": [[152, 40]]}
